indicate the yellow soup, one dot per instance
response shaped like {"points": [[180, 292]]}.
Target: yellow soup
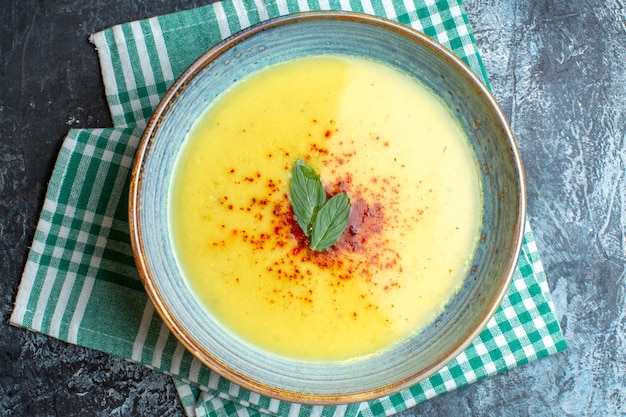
{"points": [[366, 129]]}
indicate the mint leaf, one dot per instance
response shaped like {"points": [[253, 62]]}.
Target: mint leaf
{"points": [[322, 221], [307, 195], [330, 222]]}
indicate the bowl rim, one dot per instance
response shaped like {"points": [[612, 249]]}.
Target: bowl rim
{"points": [[137, 175]]}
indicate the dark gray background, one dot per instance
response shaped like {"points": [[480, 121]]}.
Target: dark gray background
{"points": [[558, 70]]}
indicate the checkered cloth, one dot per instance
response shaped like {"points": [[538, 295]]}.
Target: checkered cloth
{"points": [[80, 283]]}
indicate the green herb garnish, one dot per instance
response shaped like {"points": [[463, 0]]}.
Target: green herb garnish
{"points": [[330, 222], [307, 195], [322, 220]]}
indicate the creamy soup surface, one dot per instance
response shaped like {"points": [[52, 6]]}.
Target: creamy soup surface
{"points": [[368, 130]]}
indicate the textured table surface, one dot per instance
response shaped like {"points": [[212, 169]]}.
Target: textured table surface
{"points": [[558, 68]]}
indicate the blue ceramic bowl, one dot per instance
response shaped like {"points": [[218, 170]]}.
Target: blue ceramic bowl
{"points": [[411, 360]]}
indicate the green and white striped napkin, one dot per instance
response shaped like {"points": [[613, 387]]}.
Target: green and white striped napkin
{"points": [[80, 284]]}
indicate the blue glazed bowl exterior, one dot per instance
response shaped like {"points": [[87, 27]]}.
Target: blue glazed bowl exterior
{"points": [[409, 361]]}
